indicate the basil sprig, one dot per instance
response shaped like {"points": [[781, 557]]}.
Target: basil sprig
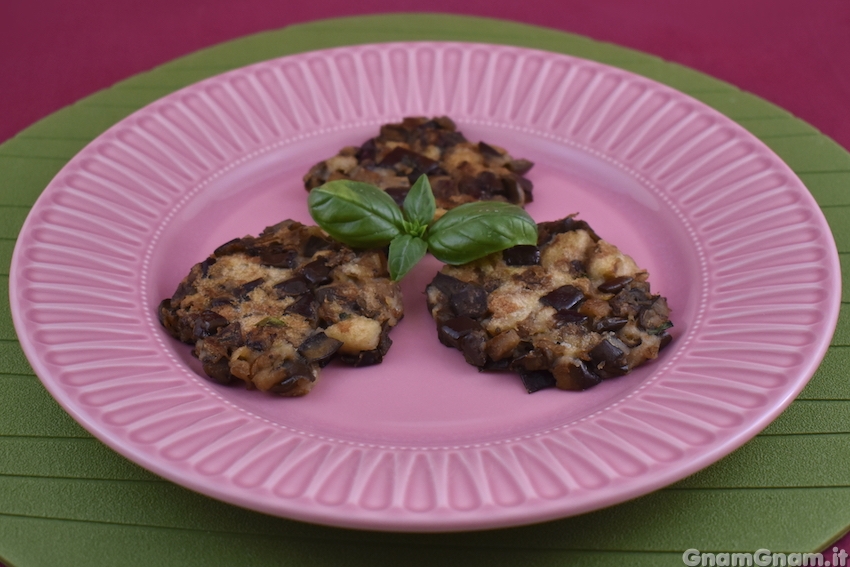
{"points": [[363, 216]]}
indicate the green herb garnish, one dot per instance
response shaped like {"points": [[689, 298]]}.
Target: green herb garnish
{"points": [[271, 322], [363, 216], [658, 330]]}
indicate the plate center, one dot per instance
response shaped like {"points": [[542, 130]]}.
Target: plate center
{"points": [[424, 394]]}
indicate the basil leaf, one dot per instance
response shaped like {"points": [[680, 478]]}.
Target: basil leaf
{"points": [[474, 230], [419, 206], [356, 214], [405, 252]]}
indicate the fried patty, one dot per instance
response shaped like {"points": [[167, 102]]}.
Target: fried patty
{"points": [[459, 171], [274, 309], [569, 312]]}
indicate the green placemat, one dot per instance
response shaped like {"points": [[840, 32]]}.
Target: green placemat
{"points": [[66, 499]]}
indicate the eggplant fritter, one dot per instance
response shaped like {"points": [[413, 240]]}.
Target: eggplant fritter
{"points": [[459, 171], [569, 312], [274, 309]]}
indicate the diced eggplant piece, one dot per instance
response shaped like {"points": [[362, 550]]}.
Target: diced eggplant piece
{"points": [[490, 364], [305, 306], [615, 285], [488, 150], [536, 380], [259, 339], [565, 297], [363, 358], [443, 187], [453, 330], [218, 371], [447, 284], [547, 230], [490, 185], [578, 269], [574, 376], [299, 379], [366, 152], [527, 187], [206, 264], [520, 166], [570, 317], [513, 190], [630, 301], [402, 156], [465, 299], [606, 324], [445, 139], [316, 244], [336, 302], [317, 272], [207, 324], [502, 345], [385, 342], [221, 301], [319, 349], [184, 289], [235, 246], [394, 132], [473, 346], [369, 357], [468, 185], [165, 314], [522, 255], [278, 257], [296, 285], [270, 231], [656, 317], [534, 359], [229, 336], [243, 290], [469, 301], [608, 359]]}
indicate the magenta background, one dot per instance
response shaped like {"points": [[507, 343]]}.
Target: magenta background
{"points": [[794, 54]]}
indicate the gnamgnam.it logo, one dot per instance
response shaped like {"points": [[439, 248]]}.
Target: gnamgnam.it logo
{"points": [[764, 558]]}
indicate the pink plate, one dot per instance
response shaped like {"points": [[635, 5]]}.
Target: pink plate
{"points": [[424, 442]]}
